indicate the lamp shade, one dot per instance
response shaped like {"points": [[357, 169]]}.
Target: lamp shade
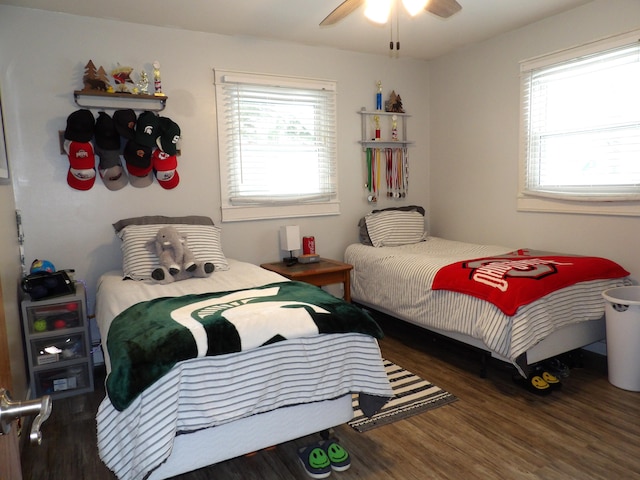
{"points": [[290, 237]]}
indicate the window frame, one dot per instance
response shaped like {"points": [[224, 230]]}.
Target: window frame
{"points": [[547, 201], [270, 210]]}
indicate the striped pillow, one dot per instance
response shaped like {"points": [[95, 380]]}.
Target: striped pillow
{"points": [[138, 262], [395, 228]]}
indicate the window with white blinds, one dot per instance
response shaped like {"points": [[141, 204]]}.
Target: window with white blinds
{"points": [[581, 126], [277, 145]]}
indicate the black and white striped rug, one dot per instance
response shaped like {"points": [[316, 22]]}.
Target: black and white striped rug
{"points": [[411, 395]]}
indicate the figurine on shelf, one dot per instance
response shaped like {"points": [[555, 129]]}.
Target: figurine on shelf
{"points": [[94, 79], [394, 104], [379, 96], [122, 76], [157, 82], [394, 128]]}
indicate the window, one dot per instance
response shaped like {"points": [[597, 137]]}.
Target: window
{"points": [[277, 144], [581, 129]]}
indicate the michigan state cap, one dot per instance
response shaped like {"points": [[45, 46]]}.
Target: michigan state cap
{"points": [[147, 129]]}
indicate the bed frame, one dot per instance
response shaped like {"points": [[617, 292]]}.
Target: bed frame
{"points": [[213, 445], [563, 340]]}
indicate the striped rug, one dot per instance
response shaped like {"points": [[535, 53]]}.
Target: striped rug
{"points": [[411, 395]]}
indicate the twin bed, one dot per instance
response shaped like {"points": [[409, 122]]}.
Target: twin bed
{"points": [[396, 263], [276, 379], [207, 369]]}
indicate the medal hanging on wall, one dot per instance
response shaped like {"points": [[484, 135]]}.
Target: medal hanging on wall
{"points": [[396, 171], [373, 174]]}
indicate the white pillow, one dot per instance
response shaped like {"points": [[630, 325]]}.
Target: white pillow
{"points": [[395, 228], [138, 262]]}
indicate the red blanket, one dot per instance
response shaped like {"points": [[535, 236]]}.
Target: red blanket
{"points": [[518, 278]]}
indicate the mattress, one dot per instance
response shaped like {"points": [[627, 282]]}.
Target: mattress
{"points": [[398, 279]]}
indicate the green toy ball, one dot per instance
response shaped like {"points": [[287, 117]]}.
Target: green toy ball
{"points": [[40, 325]]}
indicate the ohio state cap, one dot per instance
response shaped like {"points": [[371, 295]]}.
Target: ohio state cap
{"points": [[81, 174]]}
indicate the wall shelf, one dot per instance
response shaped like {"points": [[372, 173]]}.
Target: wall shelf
{"points": [[115, 101], [385, 120]]}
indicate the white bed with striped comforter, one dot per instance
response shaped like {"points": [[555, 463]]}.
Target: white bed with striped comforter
{"points": [[397, 281], [210, 409]]}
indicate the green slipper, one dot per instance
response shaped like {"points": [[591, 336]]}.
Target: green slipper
{"points": [[338, 456], [315, 461]]}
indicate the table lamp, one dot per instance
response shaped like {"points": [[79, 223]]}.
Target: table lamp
{"points": [[290, 240]]}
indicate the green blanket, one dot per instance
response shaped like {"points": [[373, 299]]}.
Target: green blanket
{"points": [[149, 338]]}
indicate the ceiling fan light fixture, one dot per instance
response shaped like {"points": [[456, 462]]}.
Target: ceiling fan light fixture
{"points": [[414, 7], [378, 11]]}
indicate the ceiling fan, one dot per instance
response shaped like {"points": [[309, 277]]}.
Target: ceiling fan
{"points": [[441, 8]]}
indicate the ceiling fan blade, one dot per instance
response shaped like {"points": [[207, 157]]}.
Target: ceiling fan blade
{"points": [[341, 11], [443, 8]]}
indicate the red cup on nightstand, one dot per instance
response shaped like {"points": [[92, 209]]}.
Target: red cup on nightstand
{"points": [[308, 245]]}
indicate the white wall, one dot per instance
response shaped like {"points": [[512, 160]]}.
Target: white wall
{"points": [[474, 142], [42, 58]]}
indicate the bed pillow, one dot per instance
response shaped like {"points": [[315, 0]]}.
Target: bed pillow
{"points": [[138, 262], [395, 228], [363, 234], [162, 220]]}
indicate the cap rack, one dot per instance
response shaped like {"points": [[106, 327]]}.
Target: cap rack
{"points": [[97, 99]]}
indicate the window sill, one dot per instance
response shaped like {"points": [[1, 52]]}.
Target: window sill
{"points": [[245, 213], [550, 205]]}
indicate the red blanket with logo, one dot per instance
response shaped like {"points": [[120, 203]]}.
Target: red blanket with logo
{"points": [[521, 277]]}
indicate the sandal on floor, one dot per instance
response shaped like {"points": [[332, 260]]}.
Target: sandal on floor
{"points": [[338, 456], [315, 461], [534, 383], [551, 379]]}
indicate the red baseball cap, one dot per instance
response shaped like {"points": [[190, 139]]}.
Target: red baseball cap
{"points": [[82, 161], [165, 166]]}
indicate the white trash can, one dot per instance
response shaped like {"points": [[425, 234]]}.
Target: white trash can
{"points": [[622, 312]]}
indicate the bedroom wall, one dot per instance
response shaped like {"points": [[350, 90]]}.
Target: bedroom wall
{"points": [[42, 58], [474, 142]]}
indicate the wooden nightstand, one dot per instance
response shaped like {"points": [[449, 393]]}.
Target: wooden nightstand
{"points": [[324, 272]]}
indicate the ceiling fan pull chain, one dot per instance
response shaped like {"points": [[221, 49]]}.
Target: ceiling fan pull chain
{"points": [[397, 30]]}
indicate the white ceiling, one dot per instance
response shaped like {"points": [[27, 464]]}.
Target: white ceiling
{"points": [[425, 36]]}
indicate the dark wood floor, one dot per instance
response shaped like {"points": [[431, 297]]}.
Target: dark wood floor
{"points": [[588, 430]]}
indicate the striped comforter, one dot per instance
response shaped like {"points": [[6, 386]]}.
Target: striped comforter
{"points": [[210, 391], [398, 280]]}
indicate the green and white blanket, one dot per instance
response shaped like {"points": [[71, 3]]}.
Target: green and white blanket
{"points": [[149, 338]]}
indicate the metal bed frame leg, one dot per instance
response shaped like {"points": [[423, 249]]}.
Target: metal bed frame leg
{"points": [[484, 363]]}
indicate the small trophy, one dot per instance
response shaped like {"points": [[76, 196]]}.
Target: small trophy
{"points": [[394, 128], [157, 82], [143, 83]]}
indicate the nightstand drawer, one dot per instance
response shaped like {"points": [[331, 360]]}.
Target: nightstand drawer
{"points": [[49, 350], [48, 318], [62, 381]]}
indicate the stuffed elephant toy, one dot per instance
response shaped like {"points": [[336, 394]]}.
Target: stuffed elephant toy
{"points": [[177, 262]]}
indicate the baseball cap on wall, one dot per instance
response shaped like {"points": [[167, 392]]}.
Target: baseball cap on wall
{"points": [[82, 160], [106, 134], [125, 122], [164, 166], [147, 129], [139, 166], [80, 126], [169, 136], [110, 168]]}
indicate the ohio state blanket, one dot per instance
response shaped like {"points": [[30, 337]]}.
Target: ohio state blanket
{"points": [[523, 276], [149, 338]]}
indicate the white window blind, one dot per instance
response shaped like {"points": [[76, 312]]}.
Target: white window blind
{"points": [[277, 143], [581, 123]]}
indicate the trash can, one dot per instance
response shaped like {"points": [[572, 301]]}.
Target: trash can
{"points": [[622, 312]]}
